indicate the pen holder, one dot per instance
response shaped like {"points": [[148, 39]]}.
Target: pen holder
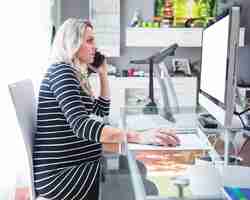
{"points": [[180, 182]]}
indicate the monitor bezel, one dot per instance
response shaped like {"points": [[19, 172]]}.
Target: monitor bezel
{"points": [[224, 111]]}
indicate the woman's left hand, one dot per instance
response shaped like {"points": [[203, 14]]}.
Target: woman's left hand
{"points": [[99, 65], [103, 69]]}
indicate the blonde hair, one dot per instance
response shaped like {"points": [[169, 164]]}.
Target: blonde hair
{"points": [[68, 40], [66, 44]]}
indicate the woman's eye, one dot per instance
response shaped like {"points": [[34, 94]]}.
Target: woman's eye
{"points": [[90, 40]]}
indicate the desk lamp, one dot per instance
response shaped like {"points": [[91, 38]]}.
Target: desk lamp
{"points": [[157, 58]]}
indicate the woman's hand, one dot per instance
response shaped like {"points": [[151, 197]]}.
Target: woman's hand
{"points": [[99, 64], [160, 136], [103, 69]]}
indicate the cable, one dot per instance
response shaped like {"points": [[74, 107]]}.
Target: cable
{"points": [[240, 114], [243, 145]]}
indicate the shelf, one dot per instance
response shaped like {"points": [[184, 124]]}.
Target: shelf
{"points": [[163, 37]]}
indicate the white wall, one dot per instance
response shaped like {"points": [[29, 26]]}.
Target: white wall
{"points": [[24, 48]]}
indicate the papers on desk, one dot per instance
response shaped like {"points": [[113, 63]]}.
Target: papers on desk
{"points": [[144, 122], [184, 126], [188, 142]]}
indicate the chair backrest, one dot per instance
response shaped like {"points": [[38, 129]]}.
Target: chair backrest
{"points": [[24, 100]]}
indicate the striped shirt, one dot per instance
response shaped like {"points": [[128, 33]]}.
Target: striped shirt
{"points": [[66, 146]]}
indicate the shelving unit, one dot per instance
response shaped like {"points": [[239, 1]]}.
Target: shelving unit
{"points": [[163, 37], [105, 17], [185, 88]]}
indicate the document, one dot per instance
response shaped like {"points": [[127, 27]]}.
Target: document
{"points": [[144, 122], [188, 141]]}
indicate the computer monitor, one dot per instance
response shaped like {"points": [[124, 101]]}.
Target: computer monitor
{"points": [[219, 68]]}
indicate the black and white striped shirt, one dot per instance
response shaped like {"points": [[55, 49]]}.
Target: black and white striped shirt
{"points": [[66, 145]]}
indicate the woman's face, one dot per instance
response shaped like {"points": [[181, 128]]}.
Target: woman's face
{"points": [[87, 50]]}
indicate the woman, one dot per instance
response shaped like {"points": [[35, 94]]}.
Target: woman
{"points": [[67, 146]]}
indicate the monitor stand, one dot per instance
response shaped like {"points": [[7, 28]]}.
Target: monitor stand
{"points": [[150, 108], [218, 113], [167, 91]]}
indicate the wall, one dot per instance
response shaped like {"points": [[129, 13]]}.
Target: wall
{"points": [[128, 53], [146, 7], [80, 9], [75, 8], [244, 72]]}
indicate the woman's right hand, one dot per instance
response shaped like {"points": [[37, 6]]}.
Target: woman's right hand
{"points": [[159, 136]]}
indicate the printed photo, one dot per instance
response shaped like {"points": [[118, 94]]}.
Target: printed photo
{"points": [[181, 65]]}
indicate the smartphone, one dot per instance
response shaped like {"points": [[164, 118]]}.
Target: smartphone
{"points": [[98, 61]]}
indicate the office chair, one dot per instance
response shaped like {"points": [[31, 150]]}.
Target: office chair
{"points": [[24, 100]]}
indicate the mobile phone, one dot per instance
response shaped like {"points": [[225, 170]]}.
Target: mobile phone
{"points": [[98, 59]]}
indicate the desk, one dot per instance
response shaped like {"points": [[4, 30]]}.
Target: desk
{"points": [[165, 163], [149, 171]]}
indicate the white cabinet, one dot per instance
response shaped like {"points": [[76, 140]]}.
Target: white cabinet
{"points": [[185, 88], [163, 37], [105, 16], [186, 91]]}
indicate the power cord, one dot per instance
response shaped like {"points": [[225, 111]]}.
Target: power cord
{"points": [[243, 145], [241, 115]]}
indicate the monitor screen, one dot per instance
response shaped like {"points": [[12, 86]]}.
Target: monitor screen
{"points": [[219, 67], [215, 41]]}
